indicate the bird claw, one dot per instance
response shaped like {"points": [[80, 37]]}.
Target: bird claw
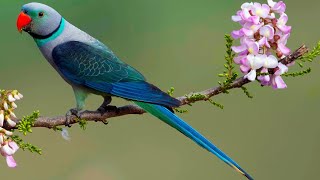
{"points": [[108, 108], [70, 113]]}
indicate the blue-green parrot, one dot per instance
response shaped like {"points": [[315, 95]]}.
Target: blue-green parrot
{"points": [[91, 67]]}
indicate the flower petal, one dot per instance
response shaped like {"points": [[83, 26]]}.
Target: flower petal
{"points": [[246, 5], [237, 34], [267, 31], [238, 59], [264, 42], [284, 38], [11, 123], [282, 69], [270, 62], [7, 150], [271, 3], [1, 139], [247, 32], [236, 18], [284, 49], [253, 47], [1, 118], [251, 75], [281, 24], [244, 69], [279, 7], [264, 80], [11, 98], [13, 146], [285, 29], [278, 83], [5, 105], [238, 49], [258, 61], [11, 162]]}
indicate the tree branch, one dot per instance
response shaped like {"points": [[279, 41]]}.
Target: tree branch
{"points": [[50, 122]]}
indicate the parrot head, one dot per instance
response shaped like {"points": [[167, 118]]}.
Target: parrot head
{"points": [[38, 19]]}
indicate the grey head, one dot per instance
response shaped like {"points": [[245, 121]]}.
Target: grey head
{"points": [[39, 20]]}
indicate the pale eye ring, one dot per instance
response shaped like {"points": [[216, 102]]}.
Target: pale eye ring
{"points": [[41, 14]]}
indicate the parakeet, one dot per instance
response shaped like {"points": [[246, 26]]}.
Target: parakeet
{"points": [[90, 67]]}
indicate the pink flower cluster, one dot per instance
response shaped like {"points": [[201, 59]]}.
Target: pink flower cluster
{"points": [[263, 38], [7, 106]]}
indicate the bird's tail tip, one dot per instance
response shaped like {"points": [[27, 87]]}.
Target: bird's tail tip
{"points": [[242, 172]]}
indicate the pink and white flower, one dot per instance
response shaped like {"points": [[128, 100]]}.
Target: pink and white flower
{"points": [[278, 7], [254, 62], [262, 36], [281, 24], [7, 107], [260, 10], [7, 150]]}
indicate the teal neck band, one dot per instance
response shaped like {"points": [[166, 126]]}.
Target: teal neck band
{"points": [[41, 42]]}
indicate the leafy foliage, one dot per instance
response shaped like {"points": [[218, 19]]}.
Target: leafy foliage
{"points": [[246, 92], [197, 97], [228, 73], [299, 73], [312, 54], [27, 122], [56, 128], [83, 124], [26, 146], [179, 110], [216, 104]]}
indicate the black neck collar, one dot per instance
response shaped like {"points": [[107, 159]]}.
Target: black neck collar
{"points": [[37, 36]]}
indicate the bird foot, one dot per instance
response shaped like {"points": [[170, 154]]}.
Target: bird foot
{"points": [[72, 112], [108, 108]]}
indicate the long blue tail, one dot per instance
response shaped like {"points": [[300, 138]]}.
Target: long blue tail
{"points": [[174, 121]]}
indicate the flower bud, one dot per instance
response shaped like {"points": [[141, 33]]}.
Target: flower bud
{"points": [[279, 54], [256, 35], [276, 38], [274, 22], [20, 95], [8, 133], [1, 138], [10, 122], [11, 98], [13, 145], [12, 114], [1, 118], [7, 150], [274, 46], [5, 105], [16, 97], [14, 105]]}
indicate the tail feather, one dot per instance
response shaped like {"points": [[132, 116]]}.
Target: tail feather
{"points": [[174, 121]]}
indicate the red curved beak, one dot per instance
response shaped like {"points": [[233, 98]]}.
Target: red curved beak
{"points": [[22, 21]]}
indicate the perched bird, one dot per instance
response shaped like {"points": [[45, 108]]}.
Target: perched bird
{"points": [[91, 67]]}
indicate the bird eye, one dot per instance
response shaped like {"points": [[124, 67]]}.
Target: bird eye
{"points": [[41, 14]]}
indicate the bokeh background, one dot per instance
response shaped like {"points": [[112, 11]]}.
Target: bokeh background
{"points": [[174, 43]]}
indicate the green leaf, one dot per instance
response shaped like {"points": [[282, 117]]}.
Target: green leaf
{"points": [[309, 57], [216, 104], [299, 73], [24, 126], [83, 124], [246, 92], [25, 146]]}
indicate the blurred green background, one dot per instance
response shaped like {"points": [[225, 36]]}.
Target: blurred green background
{"points": [[173, 43]]}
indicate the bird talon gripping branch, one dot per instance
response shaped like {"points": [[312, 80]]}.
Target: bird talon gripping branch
{"points": [[69, 115]]}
